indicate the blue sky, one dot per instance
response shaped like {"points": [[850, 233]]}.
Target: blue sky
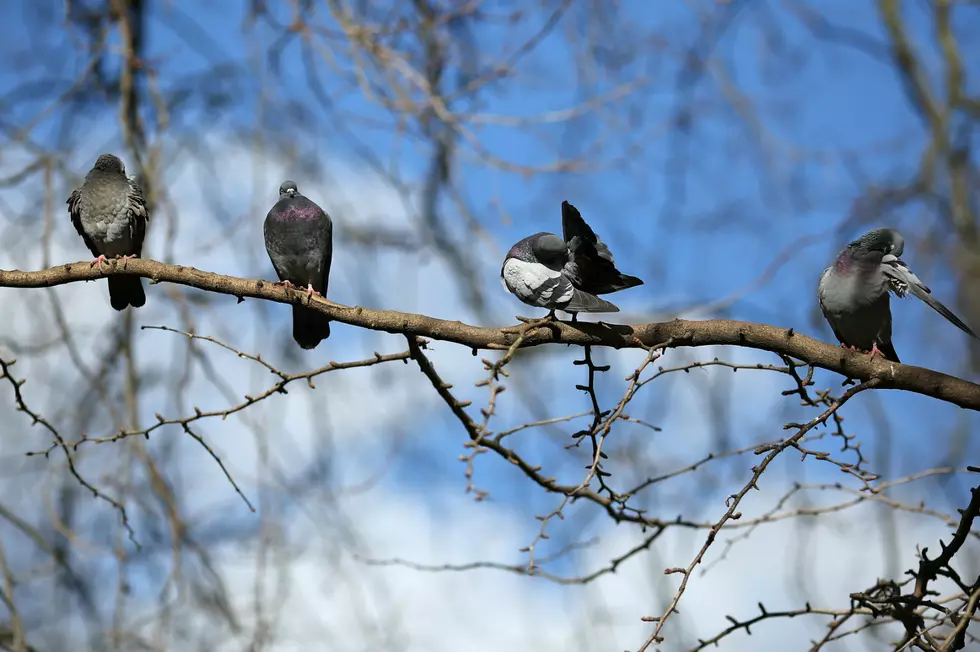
{"points": [[698, 215]]}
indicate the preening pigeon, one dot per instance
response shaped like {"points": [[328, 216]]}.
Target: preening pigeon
{"points": [[567, 273], [854, 297], [109, 212], [299, 240]]}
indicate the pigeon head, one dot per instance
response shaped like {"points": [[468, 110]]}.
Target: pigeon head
{"points": [[877, 243], [538, 248], [288, 189], [109, 163], [548, 247]]}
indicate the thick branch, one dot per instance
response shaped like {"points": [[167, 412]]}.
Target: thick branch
{"points": [[677, 333]]}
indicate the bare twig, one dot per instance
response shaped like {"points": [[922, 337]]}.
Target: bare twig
{"points": [[59, 442], [734, 500]]}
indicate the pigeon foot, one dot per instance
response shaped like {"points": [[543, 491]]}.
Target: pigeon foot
{"points": [[126, 259], [310, 293], [99, 261], [285, 284], [875, 351]]}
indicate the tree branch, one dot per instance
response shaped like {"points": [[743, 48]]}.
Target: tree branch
{"points": [[677, 333]]}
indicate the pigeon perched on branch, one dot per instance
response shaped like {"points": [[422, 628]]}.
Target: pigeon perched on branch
{"points": [[109, 212], [299, 241], [854, 293], [565, 273]]}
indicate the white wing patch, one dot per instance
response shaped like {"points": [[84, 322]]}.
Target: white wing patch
{"points": [[535, 284], [900, 277]]}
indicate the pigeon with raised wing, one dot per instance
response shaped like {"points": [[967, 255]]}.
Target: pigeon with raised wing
{"points": [[546, 271], [854, 293]]}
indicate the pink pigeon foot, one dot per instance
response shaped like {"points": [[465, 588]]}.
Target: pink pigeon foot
{"points": [[126, 259], [875, 351], [99, 261], [285, 284], [310, 291]]}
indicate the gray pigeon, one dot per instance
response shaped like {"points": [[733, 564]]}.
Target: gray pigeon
{"points": [[299, 240], [109, 212], [546, 271], [854, 296]]}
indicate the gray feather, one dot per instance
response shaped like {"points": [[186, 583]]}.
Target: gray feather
{"points": [[854, 292], [585, 302], [109, 212], [902, 281], [564, 273], [857, 310], [534, 272]]}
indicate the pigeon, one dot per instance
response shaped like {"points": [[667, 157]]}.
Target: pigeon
{"points": [[566, 273], [109, 212], [854, 295], [299, 241]]}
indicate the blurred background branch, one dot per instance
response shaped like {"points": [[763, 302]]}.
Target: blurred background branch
{"points": [[724, 150]]}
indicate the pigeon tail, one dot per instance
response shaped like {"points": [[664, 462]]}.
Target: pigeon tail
{"points": [[126, 291], [626, 281], [585, 302], [888, 350], [936, 305], [310, 327]]}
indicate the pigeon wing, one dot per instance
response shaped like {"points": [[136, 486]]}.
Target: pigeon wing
{"points": [[821, 292], [75, 212], [138, 215], [901, 281], [590, 264], [573, 226], [536, 284]]}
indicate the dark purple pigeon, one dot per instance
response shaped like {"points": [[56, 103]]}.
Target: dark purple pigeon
{"points": [[299, 240]]}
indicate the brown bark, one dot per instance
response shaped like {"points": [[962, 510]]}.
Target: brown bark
{"points": [[672, 334]]}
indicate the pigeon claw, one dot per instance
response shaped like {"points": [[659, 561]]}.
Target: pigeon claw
{"points": [[310, 291], [126, 259], [99, 261], [875, 351], [285, 284]]}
